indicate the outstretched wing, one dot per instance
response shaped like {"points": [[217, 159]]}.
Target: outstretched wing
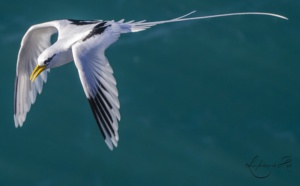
{"points": [[98, 81], [34, 42]]}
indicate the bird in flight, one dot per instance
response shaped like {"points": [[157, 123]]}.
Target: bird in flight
{"points": [[83, 42]]}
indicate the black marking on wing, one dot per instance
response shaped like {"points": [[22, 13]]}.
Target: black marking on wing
{"points": [[101, 109], [98, 29], [93, 107], [103, 96], [82, 22]]}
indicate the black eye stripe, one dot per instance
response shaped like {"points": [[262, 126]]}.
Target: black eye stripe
{"points": [[49, 59]]}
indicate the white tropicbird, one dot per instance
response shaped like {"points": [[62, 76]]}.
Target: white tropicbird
{"points": [[83, 42]]}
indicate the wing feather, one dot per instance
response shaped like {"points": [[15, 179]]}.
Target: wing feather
{"points": [[98, 82], [34, 42]]}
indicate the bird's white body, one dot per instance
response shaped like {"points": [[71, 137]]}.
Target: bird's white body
{"points": [[83, 42]]}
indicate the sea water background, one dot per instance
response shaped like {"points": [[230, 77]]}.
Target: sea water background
{"points": [[199, 100]]}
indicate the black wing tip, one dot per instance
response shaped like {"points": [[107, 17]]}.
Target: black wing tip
{"points": [[93, 108], [100, 107], [83, 22]]}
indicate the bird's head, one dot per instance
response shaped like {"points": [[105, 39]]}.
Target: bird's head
{"points": [[44, 62]]}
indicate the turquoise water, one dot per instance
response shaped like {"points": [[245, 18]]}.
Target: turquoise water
{"points": [[199, 100]]}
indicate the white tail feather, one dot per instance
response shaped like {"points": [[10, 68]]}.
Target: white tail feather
{"points": [[142, 25]]}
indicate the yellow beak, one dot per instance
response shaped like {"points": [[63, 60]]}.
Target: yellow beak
{"points": [[36, 72]]}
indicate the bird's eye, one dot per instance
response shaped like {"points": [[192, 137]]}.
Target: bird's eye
{"points": [[48, 60]]}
